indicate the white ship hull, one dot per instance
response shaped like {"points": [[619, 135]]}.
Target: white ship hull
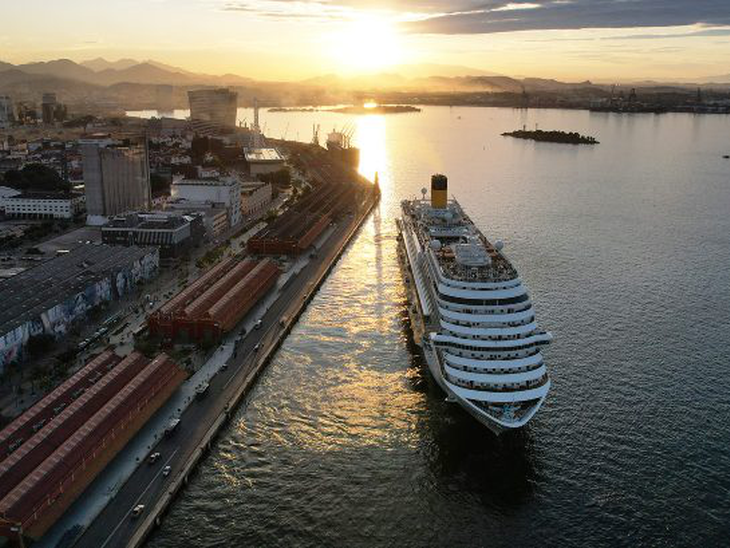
{"points": [[494, 373]]}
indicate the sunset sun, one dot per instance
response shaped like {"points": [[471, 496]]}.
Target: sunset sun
{"points": [[367, 44]]}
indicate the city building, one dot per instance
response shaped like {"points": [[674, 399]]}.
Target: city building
{"points": [[174, 234], [167, 127], [116, 180], [213, 110], [215, 302], [222, 191], [51, 110], [215, 217], [49, 298], [6, 112], [263, 160], [56, 448], [43, 205], [255, 198], [5, 193]]}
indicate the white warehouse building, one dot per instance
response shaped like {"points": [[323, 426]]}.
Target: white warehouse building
{"points": [[224, 191], [48, 205]]}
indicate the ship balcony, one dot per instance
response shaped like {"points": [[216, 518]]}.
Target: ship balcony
{"points": [[482, 309], [472, 364], [471, 318], [495, 381], [495, 333], [514, 395], [482, 345]]}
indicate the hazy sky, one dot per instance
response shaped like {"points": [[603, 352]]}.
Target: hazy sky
{"points": [[292, 39]]}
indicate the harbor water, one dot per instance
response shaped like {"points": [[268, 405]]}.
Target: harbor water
{"points": [[625, 248]]}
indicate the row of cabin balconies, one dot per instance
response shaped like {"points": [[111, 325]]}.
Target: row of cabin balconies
{"points": [[493, 387]]}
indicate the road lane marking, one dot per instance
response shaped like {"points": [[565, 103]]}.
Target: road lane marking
{"points": [[126, 515]]}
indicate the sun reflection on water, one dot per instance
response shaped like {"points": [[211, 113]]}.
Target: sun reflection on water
{"points": [[370, 138]]}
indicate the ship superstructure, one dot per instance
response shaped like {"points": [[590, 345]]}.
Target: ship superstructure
{"points": [[470, 313]]}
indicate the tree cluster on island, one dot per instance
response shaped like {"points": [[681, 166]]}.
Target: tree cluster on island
{"points": [[553, 136]]}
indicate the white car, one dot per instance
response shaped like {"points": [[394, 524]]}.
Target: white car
{"points": [[258, 324], [166, 470], [153, 458], [137, 510]]}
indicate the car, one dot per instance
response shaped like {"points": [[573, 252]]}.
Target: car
{"points": [[256, 348], [153, 458], [258, 324], [137, 510], [166, 470]]}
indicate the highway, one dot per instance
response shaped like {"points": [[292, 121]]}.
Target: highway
{"points": [[114, 526]]}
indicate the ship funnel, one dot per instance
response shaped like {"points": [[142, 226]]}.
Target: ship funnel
{"points": [[439, 191]]}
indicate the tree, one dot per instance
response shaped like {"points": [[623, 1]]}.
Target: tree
{"points": [[159, 184], [280, 178], [40, 344], [36, 177]]}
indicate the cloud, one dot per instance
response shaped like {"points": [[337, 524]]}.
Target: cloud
{"points": [[665, 35], [577, 14], [493, 16], [284, 10]]}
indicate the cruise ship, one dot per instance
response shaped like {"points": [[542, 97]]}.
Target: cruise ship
{"points": [[470, 313]]}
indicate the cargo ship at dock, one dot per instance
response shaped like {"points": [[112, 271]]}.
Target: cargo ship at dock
{"points": [[470, 313]]}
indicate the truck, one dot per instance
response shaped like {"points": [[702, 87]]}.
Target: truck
{"points": [[172, 426]]}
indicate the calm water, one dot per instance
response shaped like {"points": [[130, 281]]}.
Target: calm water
{"points": [[625, 248]]}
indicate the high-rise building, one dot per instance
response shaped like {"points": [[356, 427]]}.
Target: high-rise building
{"points": [[116, 180], [48, 108], [6, 112], [51, 110], [213, 110]]}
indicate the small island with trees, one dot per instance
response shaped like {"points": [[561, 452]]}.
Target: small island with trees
{"points": [[377, 109], [368, 108], [570, 138]]}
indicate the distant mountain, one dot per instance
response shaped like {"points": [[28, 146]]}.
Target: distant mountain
{"points": [[143, 73], [424, 70], [99, 64], [723, 79], [61, 68], [101, 72]]}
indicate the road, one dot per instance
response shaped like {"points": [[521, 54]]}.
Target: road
{"points": [[114, 526]]}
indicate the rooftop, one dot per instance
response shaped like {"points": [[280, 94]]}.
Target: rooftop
{"points": [[251, 187], [153, 221], [263, 155], [211, 181], [460, 249], [32, 292], [33, 195]]}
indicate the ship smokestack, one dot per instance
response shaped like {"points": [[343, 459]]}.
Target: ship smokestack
{"points": [[439, 191]]}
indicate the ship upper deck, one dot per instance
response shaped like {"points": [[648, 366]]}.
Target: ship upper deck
{"points": [[461, 251]]}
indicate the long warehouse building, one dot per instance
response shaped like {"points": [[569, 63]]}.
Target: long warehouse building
{"points": [[216, 302], [49, 298], [43, 477], [27, 424], [295, 230]]}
